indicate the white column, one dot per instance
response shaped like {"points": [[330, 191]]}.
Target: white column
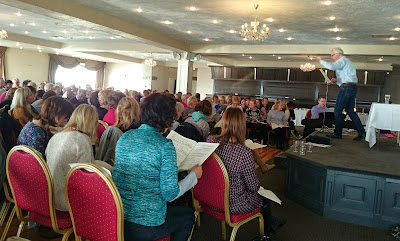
{"points": [[184, 76]]}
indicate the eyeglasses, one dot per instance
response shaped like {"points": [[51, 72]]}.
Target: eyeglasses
{"points": [[333, 54]]}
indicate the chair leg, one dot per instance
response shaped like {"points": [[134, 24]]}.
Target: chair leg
{"points": [[4, 211], [223, 230], [21, 228], [261, 223], [5, 231], [67, 234]]}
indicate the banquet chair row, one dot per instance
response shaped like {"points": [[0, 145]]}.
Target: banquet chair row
{"points": [[95, 206]]}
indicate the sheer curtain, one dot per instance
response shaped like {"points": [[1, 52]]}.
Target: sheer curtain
{"points": [[2, 62], [70, 62]]}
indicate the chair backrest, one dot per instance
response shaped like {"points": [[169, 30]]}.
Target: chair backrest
{"points": [[31, 182], [308, 114], [94, 204], [189, 131], [212, 188], [101, 127]]}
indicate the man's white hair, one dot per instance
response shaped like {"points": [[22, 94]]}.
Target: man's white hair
{"points": [[48, 87], [338, 51]]}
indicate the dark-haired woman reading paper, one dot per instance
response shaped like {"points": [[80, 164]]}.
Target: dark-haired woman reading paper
{"points": [[146, 175]]}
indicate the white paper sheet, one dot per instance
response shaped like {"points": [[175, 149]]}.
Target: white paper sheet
{"points": [[269, 194]]}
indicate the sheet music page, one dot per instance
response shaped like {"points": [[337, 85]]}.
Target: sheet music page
{"points": [[327, 80], [198, 155], [183, 146], [269, 194], [250, 144], [274, 126]]}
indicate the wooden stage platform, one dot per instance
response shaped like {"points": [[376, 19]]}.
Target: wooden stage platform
{"points": [[349, 181]]}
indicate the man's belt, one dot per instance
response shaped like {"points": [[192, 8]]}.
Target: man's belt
{"points": [[348, 83]]}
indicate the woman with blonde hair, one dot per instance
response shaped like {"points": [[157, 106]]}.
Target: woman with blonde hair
{"points": [[73, 145], [127, 112], [104, 106], [239, 162], [20, 108], [8, 98], [277, 121]]}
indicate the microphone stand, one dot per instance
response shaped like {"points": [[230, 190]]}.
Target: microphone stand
{"points": [[324, 128]]}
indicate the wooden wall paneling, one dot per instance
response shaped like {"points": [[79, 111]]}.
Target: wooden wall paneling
{"points": [[281, 74], [228, 72], [217, 72], [291, 89], [361, 76], [243, 73], [239, 87]]}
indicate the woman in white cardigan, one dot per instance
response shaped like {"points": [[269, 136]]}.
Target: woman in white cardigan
{"points": [[73, 145]]}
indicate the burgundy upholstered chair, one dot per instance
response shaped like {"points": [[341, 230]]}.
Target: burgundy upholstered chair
{"points": [[101, 127], [4, 210], [99, 216], [212, 192], [32, 187]]}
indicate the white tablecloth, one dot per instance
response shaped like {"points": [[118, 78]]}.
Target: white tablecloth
{"points": [[300, 115], [384, 117], [363, 118]]}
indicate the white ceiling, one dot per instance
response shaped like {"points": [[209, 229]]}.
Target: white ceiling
{"points": [[113, 30]]}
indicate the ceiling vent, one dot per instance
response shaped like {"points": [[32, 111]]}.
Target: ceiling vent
{"points": [[381, 35]]}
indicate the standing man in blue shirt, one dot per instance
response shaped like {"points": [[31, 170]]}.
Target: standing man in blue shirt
{"points": [[347, 81]]}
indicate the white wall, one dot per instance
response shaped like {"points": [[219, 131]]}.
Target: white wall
{"points": [[129, 76], [166, 77], [204, 82], [26, 64]]}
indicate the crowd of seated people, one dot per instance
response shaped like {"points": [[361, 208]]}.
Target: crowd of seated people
{"points": [[61, 123]]}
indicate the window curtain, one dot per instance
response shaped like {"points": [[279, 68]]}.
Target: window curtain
{"points": [[70, 62], [3, 62]]}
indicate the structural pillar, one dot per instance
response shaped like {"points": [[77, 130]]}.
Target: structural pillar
{"points": [[184, 78]]}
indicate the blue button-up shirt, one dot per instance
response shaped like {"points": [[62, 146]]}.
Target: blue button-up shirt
{"points": [[345, 70], [316, 110]]}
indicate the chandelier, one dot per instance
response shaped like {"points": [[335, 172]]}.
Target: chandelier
{"points": [[150, 62], [307, 67], [3, 34], [251, 33]]}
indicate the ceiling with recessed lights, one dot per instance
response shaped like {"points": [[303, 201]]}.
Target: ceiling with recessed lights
{"points": [[121, 30]]}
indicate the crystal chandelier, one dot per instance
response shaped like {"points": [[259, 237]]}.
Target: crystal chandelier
{"points": [[150, 62], [307, 67], [3, 34], [251, 33]]}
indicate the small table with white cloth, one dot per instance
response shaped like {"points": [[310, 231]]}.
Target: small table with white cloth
{"points": [[300, 114], [382, 117]]}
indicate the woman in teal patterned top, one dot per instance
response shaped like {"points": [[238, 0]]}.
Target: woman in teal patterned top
{"points": [[146, 176]]}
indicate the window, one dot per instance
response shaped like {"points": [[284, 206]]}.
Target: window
{"points": [[78, 76]]}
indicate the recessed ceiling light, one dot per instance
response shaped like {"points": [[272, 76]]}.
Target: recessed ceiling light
{"points": [[20, 47], [12, 25], [279, 57], [32, 24], [290, 38], [327, 3], [242, 54], [273, 55], [192, 8], [245, 39], [281, 30], [270, 20], [40, 50], [166, 59], [156, 57], [380, 59], [215, 21], [392, 38], [332, 18], [26, 32], [338, 38], [335, 29], [44, 31], [57, 53], [90, 37], [206, 39], [18, 14], [17, 43], [118, 36], [139, 10], [86, 31], [64, 31], [112, 38], [396, 29], [189, 32], [250, 57], [167, 22], [232, 31]]}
